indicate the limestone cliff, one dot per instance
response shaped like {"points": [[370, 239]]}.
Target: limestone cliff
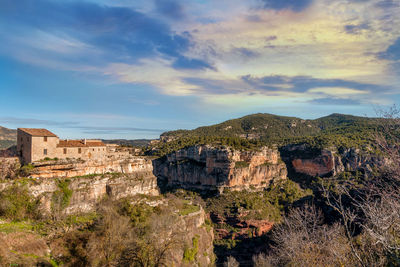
{"points": [[88, 190], [330, 162], [208, 167], [198, 238], [76, 167], [8, 167]]}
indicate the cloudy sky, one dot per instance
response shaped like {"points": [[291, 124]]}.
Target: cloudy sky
{"points": [[135, 68]]}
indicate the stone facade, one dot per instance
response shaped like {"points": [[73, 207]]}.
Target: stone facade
{"points": [[37, 144]]}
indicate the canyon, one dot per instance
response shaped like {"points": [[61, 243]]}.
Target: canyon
{"points": [[142, 179]]}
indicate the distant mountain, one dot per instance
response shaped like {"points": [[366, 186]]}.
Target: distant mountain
{"points": [[8, 137], [125, 142], [268, 126]]}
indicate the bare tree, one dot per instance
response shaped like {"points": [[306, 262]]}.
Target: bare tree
{"points": [[303, 239], [151, 246], [374, 206], [112, 235], [231, 262]]}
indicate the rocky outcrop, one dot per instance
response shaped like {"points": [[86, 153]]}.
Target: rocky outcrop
{"points": [[197, 238], [207, 167], [76, 167], [330, 162], [8, 167], [87, 191]]}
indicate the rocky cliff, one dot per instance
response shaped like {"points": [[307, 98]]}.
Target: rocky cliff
{"points": [[85, 191], [76, 167], [198, 238], [9, 167], [330, 162], [207, 167]]}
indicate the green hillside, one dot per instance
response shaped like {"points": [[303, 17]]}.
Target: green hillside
{"points": [[260, 129], [8, 137], [268, 126]]}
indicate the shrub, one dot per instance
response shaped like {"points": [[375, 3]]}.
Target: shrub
{"points": [[17, 204], [189, 254], [26, 170], [188, 209], [241, 164], [61, 198]]}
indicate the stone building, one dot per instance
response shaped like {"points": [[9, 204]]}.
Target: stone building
{"points": [[38, 144]]}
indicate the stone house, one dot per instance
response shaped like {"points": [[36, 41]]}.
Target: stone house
{"points": [[38, 144]]}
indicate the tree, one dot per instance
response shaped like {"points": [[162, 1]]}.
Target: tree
{"points": [[231, 262], [374, 206], [152, 243], [111, 237], [303, 239]]}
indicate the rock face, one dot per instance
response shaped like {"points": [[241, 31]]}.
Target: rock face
{"points": [[88, 190], [207, 167], [197, 237], [330, 162], [8, 167], [72, 168]]}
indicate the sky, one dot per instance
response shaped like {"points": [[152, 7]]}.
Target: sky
{"points": [[136, 68]]}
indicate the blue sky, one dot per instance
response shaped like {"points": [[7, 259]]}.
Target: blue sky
{"points": [[133, 69]]}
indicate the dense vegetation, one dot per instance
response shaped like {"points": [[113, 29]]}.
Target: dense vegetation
{"points": [[8, 138], [273, 127], [128, 143], [254, 131]]}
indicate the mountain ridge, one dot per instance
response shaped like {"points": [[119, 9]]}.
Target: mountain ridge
{"points": [[8, 137], [265, 125]]}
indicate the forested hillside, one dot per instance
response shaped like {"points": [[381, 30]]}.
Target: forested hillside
{"points": [[8, 137], [258, 130]]}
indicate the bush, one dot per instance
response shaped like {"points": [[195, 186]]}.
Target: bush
{"points": [[304, 240], [61, 198], [189, 254], [17, 204], [241, 164], [26, 170]]}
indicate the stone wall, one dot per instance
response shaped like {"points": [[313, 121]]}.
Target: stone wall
{"points": [[39, 145], [24, 146]]}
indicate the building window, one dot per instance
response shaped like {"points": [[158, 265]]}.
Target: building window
{"points": [[65, 151], [44, 151], [79, 150], [45, 138]]}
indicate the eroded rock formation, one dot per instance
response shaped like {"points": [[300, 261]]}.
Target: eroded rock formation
{"points": [[196, 237], [134, 177], [330, 162], [76, 167], [9, 167], [207, 167]]}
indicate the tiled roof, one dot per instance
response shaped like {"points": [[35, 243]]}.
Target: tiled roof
{"points": [[38, 132], [79, 143]]}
